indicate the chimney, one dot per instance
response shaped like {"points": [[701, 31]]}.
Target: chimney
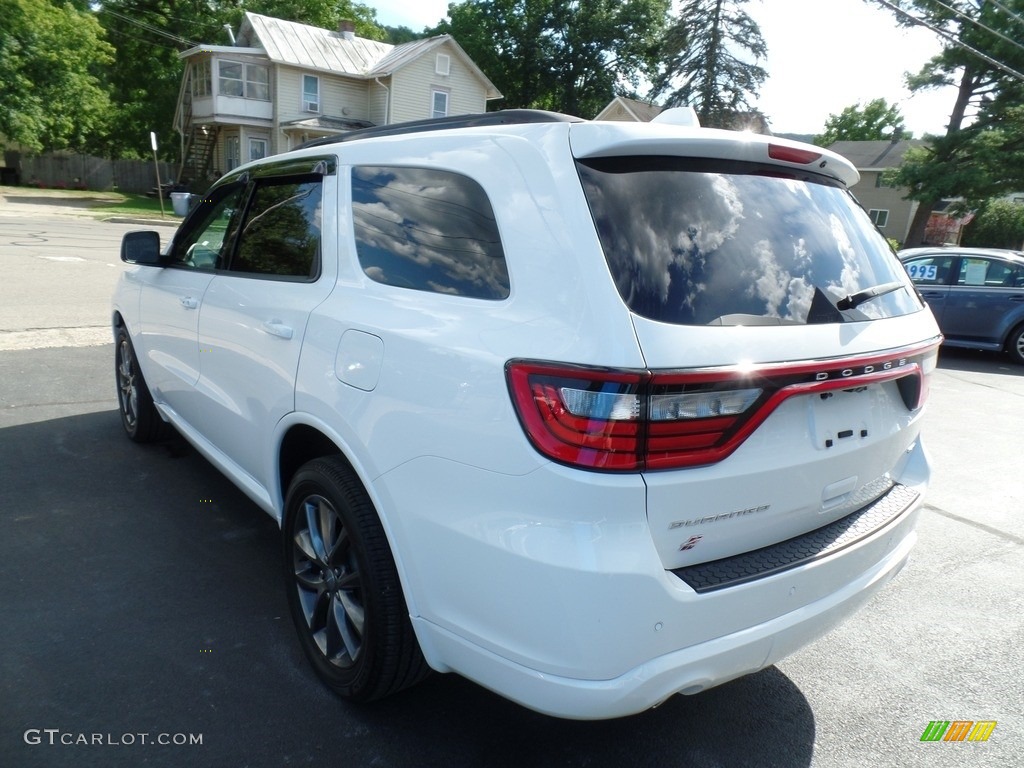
{"points": [[347, 27]]}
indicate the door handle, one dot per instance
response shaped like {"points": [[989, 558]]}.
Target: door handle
{"points": [[277, 328], [188, 302]]}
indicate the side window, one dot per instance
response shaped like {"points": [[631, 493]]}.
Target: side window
{"points": [[206, 245], [933, 270], [991, 273], [428, 230], [975, 272], [280, 235]]}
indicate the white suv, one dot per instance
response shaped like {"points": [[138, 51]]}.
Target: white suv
{"points": [[589, 413]]}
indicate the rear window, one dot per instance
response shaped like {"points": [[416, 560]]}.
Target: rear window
{"points": [[714, 242]]}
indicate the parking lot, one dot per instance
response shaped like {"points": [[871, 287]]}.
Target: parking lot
{"points": [[145, 620]]}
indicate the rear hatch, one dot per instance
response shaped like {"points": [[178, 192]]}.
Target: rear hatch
{"points": [[787, 351]]}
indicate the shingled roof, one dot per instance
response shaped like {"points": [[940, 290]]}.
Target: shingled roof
{"points": [[875, 155]]}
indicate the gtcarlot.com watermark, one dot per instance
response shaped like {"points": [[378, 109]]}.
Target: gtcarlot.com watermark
{"points": [[57, 737]]}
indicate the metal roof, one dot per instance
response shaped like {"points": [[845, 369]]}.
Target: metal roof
{"points": [[300, 45]]}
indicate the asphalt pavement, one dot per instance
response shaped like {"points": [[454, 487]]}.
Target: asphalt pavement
{"points": [[144, 620]]}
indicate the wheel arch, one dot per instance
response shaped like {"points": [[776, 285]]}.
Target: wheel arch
{"points": [[1016, 329], [302, 439]]}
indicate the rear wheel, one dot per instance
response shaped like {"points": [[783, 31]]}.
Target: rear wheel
{"points": [[139, 416], [1015, 344], [343, 588]]}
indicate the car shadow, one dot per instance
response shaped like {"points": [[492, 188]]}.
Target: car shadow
{"points": [[144, 595], [62, 201], [978, 361]]}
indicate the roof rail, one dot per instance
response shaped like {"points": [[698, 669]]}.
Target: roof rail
{"points": [[501, 117]]}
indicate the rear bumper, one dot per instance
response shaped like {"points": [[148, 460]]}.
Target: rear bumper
{"points": [[561, 603], [685, 671]]}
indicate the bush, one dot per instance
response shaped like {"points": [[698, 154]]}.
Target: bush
{"points": [[1000, 224]]}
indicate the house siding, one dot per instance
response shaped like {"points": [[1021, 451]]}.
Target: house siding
{"points": [[871, 197], [378, 95], [412, 86], [339, 97]]}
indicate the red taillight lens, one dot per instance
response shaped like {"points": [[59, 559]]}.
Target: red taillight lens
{"points": [[631, 421], [624, 421], [587, 420]]}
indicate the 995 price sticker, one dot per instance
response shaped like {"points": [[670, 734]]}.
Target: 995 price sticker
{"points": [[922, 271]]}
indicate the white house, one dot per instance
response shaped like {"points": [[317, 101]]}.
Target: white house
{"points": [[282, 83]]}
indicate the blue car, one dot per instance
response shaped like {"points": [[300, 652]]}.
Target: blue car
{"points": [[976, 295]]}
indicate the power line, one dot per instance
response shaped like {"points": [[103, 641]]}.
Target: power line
{"points": [[952, 40], [1004, 9], [150, 28], [977, 23]]}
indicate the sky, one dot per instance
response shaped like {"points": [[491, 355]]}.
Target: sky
{"points": [[818, 63]]}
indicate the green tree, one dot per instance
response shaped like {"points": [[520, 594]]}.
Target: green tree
{"points": [[51, 66], [875, 121], [709, 58], [999, 224], [566, 55], [980, 154]]}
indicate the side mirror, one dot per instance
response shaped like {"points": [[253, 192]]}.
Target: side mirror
{"points": [[141, 248]]}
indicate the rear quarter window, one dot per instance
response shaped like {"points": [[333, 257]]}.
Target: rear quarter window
{"points": [[717, 242], [428, 230]]}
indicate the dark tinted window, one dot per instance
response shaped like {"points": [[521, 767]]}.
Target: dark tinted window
{"points": [[698, 242], [428, 230], [280, 234], [930, 270]]}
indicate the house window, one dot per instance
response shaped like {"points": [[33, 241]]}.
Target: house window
{"points": [[257, 82], [443, 64], [310, 93], [232, 152], [879, 217], [201, 79], [257, 149], [439, 104], [231, 82], [250, 81]]}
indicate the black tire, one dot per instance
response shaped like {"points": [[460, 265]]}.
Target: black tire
{"points": [[139, 416], [343, 587], [1015, 344]]}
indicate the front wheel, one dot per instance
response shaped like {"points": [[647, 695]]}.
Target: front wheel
{"points": [[139, 416], [343, 588], [1015, 344]]}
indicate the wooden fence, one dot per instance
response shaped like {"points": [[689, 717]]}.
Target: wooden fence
{"points": [[71, 171]]}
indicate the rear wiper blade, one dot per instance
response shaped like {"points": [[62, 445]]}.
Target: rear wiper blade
{"points": [[856, 299]]}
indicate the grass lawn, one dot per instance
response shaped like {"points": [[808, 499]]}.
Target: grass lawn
{"points": [[99, 204]]}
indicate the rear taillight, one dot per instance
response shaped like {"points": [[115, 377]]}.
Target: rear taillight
{"points": [[642, 420]]}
